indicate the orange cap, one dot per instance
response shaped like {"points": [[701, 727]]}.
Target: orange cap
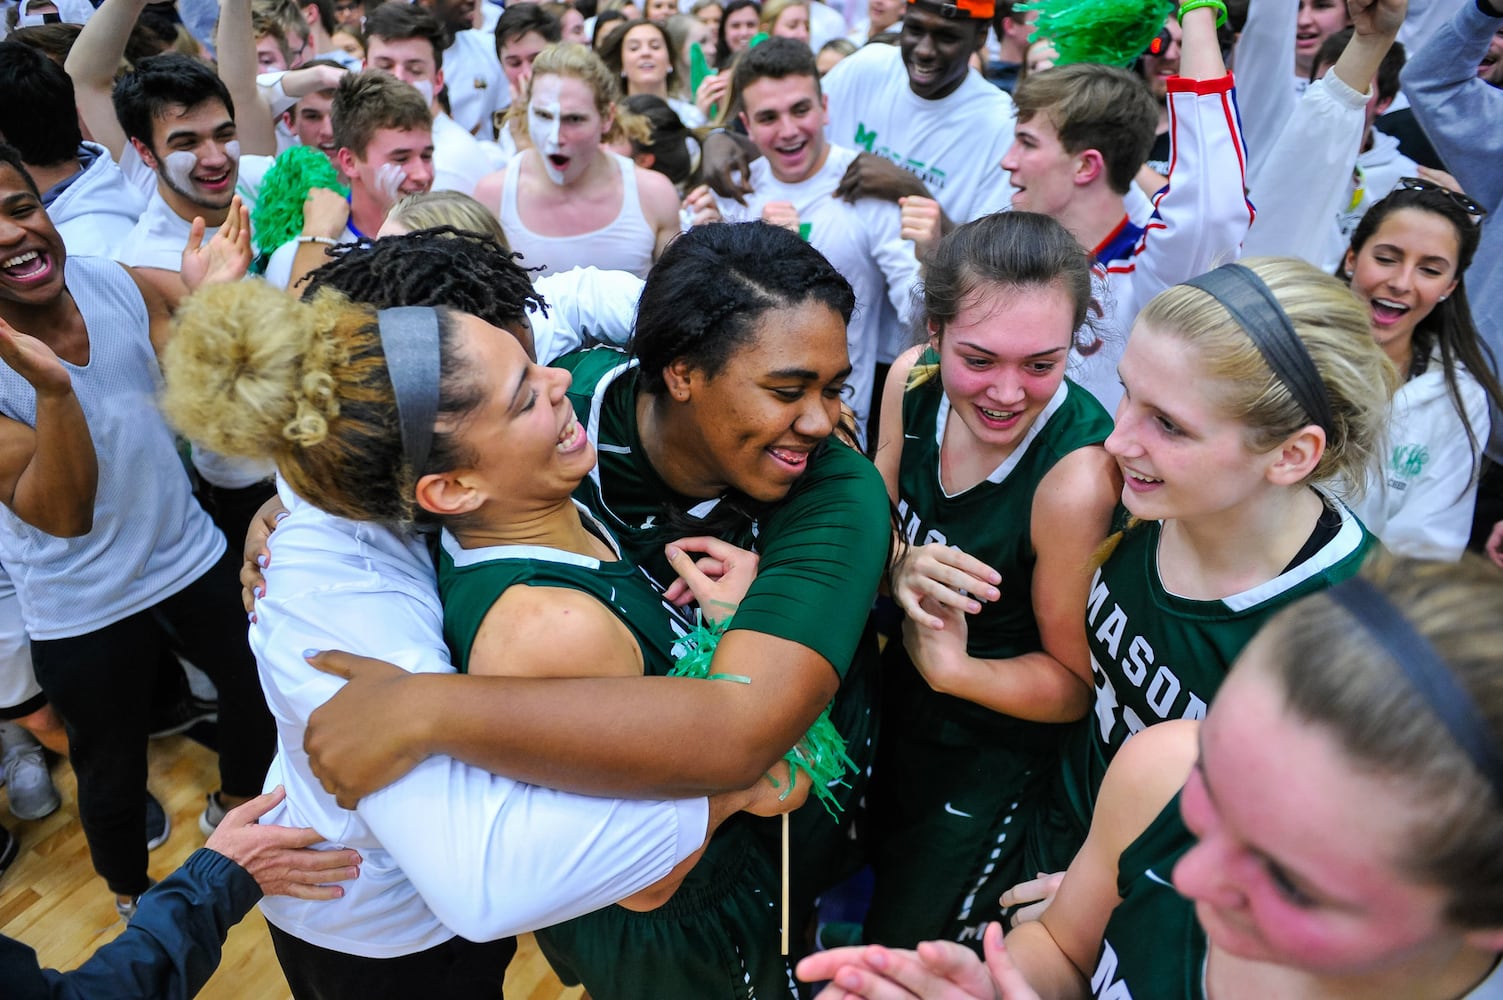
{"points": [[975, 10]]}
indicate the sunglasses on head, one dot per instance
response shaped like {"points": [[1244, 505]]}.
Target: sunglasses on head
{"points": [[1461, 200]]}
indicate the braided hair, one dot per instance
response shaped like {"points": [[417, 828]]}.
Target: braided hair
{"points": [[703, 302], [443, 266], [707, 293]]}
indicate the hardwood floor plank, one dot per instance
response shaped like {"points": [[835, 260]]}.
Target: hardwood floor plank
{"points": [[52, 900]]}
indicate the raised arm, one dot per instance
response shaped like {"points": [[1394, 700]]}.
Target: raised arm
{"points": [[235, 49], [1457, 109], [48, 474], [1264, 61], [1305, 181], [91, 64]]}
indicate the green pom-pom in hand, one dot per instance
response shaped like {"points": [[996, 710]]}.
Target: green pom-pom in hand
{"points": [[278, 215], [1111, 32], [820, 754]]}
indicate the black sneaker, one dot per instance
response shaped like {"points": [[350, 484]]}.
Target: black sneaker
{"points": [[158, 826], [9, 848], [182, 716]]}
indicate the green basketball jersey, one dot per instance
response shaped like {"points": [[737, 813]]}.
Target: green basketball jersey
{"points": [[1157, 656], [1153, 948], [991, 520], [470, 581], [822, 548]]}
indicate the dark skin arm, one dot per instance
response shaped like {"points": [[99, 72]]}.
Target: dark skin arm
{"points": [[48, 474], [872, 176], [725, 159], [385, 721]]}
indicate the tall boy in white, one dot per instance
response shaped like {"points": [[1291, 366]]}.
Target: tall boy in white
{"points": [[793, 185]]}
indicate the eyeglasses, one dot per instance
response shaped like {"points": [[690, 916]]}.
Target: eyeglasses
{"points": [[1461, 200]]}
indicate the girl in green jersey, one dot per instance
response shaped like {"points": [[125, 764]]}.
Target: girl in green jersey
{"points": [[994, 460], [1247, 391], [1324, 833]]}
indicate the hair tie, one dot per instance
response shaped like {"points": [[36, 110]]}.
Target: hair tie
{"points": [[1426, 672], [1255, 309], [410, 341]]}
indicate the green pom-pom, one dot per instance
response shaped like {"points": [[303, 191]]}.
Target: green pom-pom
{"points": [[278, 215], [1111, 32], [820, 754]]}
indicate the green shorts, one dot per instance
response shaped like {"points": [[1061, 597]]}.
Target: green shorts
{"points": [[718, 938], [951, 798]]}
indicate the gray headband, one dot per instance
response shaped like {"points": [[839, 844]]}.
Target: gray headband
{"points": [[410, 341], [1427, 674], [1253, 306]]}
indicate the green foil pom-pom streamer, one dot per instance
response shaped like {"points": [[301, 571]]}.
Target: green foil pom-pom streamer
{"points": [[1111, 32], [278, 215], [820, 754]]}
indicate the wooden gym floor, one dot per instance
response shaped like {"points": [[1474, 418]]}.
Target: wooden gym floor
{"points": [[51, 899]]}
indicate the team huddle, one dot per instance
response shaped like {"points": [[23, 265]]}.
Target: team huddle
{"points": [[764, 498]]}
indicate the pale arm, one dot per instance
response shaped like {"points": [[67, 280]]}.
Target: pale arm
{"points": [[91, 64], [235, 48]]}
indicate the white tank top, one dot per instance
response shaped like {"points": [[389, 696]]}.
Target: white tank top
{"points": [[150, 537], [625, 244]]}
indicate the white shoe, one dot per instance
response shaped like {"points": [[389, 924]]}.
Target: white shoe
{"points": [[32, 793]]}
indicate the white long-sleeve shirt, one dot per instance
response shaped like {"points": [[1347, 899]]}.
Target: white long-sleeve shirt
{"points": [[448, 849]]}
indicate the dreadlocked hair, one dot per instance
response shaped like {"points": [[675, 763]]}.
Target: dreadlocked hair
{"points": [[442, 266]]}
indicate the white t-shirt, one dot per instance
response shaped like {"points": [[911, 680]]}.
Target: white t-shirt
{"points": [[476, 85], [458, 161], [954, 144], [448, 849], [862, 240]]}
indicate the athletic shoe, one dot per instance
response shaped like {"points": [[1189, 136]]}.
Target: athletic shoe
{"points": [[158, 826], [10, 846], [213, 814], [127, 910], [182, 716], [32, 794]]}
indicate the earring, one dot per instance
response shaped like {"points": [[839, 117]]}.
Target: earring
{"points": [[1442, 298]]}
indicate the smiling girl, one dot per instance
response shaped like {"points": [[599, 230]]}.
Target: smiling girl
{"points": [[1330, 832], [1407, 264], [1245, 390], [718, 426], [995, 462], [643, 55], [567, 202]]}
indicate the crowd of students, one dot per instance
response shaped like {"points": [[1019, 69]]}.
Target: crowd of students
{"points": [[1062, 473]]}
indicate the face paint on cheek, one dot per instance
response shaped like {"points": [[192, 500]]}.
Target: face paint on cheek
{"points": [[389, 180], [424, 87], [179, 166], [543, 116], [232, 150]]}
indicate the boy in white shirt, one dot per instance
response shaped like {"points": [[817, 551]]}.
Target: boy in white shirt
{"points": [[793, 185]]}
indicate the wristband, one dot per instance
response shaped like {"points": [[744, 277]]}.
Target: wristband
{"points": [[318, 239], [1190, 5]]}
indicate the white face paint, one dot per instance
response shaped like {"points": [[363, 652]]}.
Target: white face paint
{"points": [[389, 180], [232, 150], [425, 87], [543, 117], [179, 166]]}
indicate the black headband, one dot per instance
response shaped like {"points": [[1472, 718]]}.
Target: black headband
{"points": [[1252, 305], [410, 340], [1427, 673]]}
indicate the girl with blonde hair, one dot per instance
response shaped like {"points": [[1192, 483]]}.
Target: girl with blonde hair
{"points": [[1333, 828], [1248, 392], [567, 202]]}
